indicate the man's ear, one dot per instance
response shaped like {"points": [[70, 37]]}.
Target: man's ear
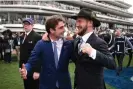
{"points": [[90, 22], [51, 30]]}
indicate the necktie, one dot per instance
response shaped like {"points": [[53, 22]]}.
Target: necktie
{"points": [[55, 54], [79, 45], [56, 59], [24, 38]]}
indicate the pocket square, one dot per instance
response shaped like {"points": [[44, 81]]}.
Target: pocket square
{"points": [[30, 42]]}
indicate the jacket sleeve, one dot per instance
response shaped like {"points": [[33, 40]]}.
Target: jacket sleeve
{"points": [[128, 42], [37, 67], [34, 58], [104, 57]]}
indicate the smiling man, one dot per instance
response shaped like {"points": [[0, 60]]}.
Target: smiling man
{"points": [[54, 55], [91, 53]]}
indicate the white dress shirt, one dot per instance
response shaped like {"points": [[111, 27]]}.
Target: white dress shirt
{"points": [[85, 38], [27, 33], [59, 44]]}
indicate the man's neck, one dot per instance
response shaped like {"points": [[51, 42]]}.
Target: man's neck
{"points": [[53, 37], [87, 32]]}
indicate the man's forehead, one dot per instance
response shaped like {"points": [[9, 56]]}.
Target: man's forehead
{"points": [[60, 23]]}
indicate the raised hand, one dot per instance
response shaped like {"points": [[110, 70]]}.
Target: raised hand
{"points": [[45, 37], [86, 48]]}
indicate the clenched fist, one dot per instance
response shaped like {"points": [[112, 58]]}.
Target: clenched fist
{"points": [[36, 75], [86, 48]]}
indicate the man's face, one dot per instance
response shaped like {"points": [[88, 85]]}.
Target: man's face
{"points": [[82, 25], [27, 26], [117, 33], [59, 30]]}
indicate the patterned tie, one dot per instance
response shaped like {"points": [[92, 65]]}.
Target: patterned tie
{"points": [[56, 59], [55, 54], [79, 45]]}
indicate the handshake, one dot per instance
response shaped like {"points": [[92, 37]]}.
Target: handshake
{"points": [[23, 73]]}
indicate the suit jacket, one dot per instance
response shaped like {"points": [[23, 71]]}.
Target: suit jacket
{"points": [[27, 47], [89, 72], [43, 51], [1, 44]]}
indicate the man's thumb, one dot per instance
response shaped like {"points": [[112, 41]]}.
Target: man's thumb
{"points": [[23, 66]]}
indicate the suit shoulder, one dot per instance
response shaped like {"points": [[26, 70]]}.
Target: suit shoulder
{"points": [[40, 41], [68, 42], [100, 40], [37, 35]]}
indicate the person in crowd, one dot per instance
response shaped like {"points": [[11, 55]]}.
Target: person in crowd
{"points": [[1, 47], [27, 43], [54, 55], [7, 45], [129, 35], [17, 45], [119, 47]]}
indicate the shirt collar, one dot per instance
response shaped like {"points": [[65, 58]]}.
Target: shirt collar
{"points": [[58, 41], [28, 32], [86, 36]]}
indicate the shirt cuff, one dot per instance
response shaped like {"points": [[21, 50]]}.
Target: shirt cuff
{"points": [[93, 54]]}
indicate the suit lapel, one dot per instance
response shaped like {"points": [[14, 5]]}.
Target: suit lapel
{"points": [[51, 52], [91, 39], [30, 35], [62, 51], [76, 42]]}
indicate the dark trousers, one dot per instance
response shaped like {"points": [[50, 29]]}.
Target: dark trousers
{"points": [[1, 55], [7, 57], [30, 83], [130, 57], [57, 88], [120, 58]]}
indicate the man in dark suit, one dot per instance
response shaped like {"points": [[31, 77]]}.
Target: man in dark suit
{"points": [[54, 55], [91, 53], [27, 44]]}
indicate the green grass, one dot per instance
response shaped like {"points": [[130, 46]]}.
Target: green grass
{"points": [[10, 77]]}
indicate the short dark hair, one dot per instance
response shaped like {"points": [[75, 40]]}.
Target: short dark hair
{"points": [[52, 21]]}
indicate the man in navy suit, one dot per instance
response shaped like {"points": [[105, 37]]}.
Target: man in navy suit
{"points": [[54, 55]]}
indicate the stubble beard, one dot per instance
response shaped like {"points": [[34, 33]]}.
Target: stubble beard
{"points": [[81, 33]]}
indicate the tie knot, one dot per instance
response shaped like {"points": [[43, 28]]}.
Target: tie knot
{"points": [[54, 42], [25, 34], [81, 40]]}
